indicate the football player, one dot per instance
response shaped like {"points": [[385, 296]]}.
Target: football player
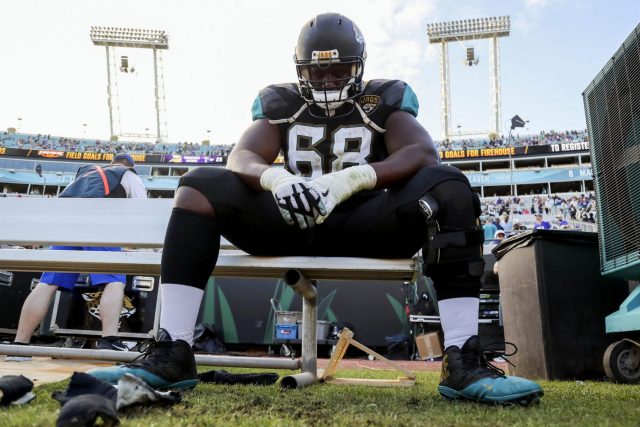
{"points": [[362, 178]]}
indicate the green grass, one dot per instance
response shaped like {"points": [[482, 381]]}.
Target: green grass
{"points": [[567, 403]]}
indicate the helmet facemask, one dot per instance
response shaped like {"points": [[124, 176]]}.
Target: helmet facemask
{"points": [[329, 85]]}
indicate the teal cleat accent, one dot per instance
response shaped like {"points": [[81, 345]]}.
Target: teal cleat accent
{"points": [[497, 390], [469, 376], [112, 376], [165, 364]]}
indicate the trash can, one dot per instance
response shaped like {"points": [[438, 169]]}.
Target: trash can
{"points": [[554, 301]]}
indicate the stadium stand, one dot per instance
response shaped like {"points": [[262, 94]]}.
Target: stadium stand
{"points": [[546, 173], [543, 138], [49, 142]]}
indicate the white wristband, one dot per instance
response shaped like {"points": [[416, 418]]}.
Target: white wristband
{"points": [[361, 177], [345, 183], [271, 176]]}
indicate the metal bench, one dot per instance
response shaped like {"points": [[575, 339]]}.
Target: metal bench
{"points": [[139, 226]]}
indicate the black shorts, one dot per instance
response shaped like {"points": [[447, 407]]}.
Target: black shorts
{"points": [[375, 224]]}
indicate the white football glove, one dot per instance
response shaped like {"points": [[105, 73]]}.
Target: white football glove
{"points": [[334, 188], [298, 202]]}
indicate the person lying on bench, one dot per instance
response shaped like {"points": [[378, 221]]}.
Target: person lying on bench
{"points": [[120, 180], [362, 178]]}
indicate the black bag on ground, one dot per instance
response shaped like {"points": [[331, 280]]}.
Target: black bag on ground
{"points": [[82, 383], [13, 387], [88, 410], [398, 347], [224, 377], [205, 339]]}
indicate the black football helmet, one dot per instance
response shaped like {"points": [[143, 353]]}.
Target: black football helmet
{"points": [[329, 59]]}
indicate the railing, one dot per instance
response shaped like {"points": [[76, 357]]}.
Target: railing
{"points": [[583, 226]]}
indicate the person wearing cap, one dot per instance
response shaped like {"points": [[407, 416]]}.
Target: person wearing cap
{"points": [[540, 223], [499, 236], [116, 180], [560, 221], [131, 182], [517, 226]]}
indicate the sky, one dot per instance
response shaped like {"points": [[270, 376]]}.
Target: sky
{"points": [[222, 52]]}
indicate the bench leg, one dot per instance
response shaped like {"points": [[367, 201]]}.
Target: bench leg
{"points": [[309, 339], [309, 355]]}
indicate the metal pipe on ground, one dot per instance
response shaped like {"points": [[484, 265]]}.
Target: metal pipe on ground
{"points": [[299, 380], [129, 356]]}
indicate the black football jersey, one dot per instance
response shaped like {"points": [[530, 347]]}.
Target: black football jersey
{"points": [[314, 144]]}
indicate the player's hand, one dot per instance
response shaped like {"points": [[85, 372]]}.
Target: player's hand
{"points": [[324, 187], [299, 203], [334, 188]]}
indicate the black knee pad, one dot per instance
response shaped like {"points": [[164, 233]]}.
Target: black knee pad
{"points": [[453, 250]]}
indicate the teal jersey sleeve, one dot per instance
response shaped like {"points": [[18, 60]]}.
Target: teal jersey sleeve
{"points": [[409, 101], [256, 109], [276, 102], [382, 97]]}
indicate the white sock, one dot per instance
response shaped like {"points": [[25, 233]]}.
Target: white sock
{"points": [[459, 320], [179, 307]]}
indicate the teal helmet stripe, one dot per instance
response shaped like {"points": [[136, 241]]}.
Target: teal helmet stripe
{"points": [[256, 109], [409, 101]]}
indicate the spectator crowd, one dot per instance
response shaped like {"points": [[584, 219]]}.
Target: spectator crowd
{"points": [[48, 142], [501, 215], [543, 138]]}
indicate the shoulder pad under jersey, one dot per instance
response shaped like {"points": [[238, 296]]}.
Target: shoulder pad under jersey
{"points": [[388, 96], [279, 101]]}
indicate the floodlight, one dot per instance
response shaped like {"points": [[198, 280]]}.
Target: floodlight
{"points": [[156, 40], [129, 37], [469, 29], [464, 30]]}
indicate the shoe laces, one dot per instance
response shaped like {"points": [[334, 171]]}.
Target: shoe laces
{"points": [[490, 351], [145, 348]]}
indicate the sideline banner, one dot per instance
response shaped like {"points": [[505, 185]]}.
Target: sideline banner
{"points": [[505, 152], [86, 156]]}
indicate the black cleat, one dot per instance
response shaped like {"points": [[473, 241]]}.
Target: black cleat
{"points": [[468, 375], [165, 364], [111, 343]]}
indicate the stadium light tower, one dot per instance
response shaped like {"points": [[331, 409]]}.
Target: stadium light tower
{"points": [[157, 40], [459, 31]]}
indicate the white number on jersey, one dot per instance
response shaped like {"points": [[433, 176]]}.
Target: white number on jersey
{"points": [[349, 144]]}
